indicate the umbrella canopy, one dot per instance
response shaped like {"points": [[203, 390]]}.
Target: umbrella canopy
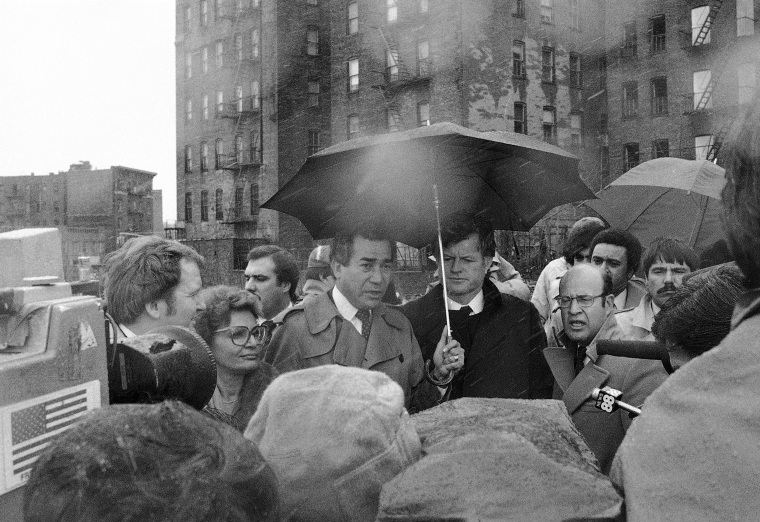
{"points": [[700, 176], [675, 198], [512, 179]]}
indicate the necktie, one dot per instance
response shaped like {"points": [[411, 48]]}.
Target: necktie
{"points": [[580, 357], [462, 314], [365, 317]]}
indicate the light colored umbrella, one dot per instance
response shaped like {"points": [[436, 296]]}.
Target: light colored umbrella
{"points": [[700, 176], [667, 197]]}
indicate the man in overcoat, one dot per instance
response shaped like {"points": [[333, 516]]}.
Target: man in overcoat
{"points": [[350, 326], [586, 301], [501, 334]]}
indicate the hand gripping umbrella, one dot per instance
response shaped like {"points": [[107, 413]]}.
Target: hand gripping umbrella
{"points": [[511, 179]]}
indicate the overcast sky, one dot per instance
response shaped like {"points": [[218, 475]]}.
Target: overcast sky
{"points": [[88, 80]]}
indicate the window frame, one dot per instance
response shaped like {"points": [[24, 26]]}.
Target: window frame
{"points": [[696, 29], [219, 204], [423, 109], [629, 47], [352, 126], [658, 42], [423, 58], [659, 108], [519, 69], [188, 207], [391, 11], [576, 74], [312, 95], [630, 100], [521, 122], [656, 148], [312, 40], [548, 71], [204, 205], [551, 126], [547, 11], [631, 155], [352, 18], [352, 68]]}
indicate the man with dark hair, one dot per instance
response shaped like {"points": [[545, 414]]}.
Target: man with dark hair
{"points": [[618, 253], [703, 422], [151, 463], [697, 316], [350, 326], [587, 304], [501, 334], [272, 276], [665, 264], [151, 282], [575, 249]]}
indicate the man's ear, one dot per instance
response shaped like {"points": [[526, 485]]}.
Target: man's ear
{"points": [[336, 268], [285, 285], [156, 308], [609, 301]]}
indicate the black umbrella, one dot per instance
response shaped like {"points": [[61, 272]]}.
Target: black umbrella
{"points": [[398, 181], [512, 179]]}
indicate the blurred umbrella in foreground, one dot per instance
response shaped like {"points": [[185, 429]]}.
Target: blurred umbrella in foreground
{"points": [[512, 179], [667, 197]]}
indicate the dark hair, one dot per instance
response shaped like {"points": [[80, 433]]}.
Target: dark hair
{"points": [[698, 315], [741, 195], [144, 269], [580, 237], [342, 245], [460, 225], [319, 272], [285, 265], [159, 462], [670, 250], [220, 302], [621, 238]]}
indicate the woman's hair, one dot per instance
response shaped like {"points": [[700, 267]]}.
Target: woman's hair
{"points": [[159, 462], [698, 315], [220, 302]]}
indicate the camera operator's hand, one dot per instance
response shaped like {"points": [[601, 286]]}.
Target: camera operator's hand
{"points": [[448, 357]]}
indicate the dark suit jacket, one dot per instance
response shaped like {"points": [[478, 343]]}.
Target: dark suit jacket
{"points": [[505, 359]]}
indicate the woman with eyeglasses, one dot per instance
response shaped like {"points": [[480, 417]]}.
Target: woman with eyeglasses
{"points": [[229, 326]]}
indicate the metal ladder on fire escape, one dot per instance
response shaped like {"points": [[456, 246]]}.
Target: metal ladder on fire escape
{"points": [[704, 100], [715, 6]]}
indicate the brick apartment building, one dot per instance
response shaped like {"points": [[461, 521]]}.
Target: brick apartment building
{"points": [[262, 85], [96, 210], [678, 74]]}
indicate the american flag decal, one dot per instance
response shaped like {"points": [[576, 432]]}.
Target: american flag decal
{"points": [[29, 426]]}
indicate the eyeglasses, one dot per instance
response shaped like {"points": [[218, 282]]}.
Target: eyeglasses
{"points": [[584, 301], [241, 334]]}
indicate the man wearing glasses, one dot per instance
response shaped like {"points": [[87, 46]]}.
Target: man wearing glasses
{"points": [[586, 301]]}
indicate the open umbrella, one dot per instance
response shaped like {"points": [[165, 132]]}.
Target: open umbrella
{"points": [[512, 179], [667, 197], [399, 181]]}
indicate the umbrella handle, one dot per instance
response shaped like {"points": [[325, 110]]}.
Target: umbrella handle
{"points": [[442, 268]]}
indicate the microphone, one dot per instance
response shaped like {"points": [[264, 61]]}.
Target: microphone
{"points": [[607, 400], [637, 350]]}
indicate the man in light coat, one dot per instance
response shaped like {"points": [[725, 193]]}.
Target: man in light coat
{"points": [[586, 301]]}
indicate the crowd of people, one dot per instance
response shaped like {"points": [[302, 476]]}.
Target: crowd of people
{"points": [[310, 415]]}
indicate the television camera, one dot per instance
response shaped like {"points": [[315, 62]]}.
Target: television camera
{"points": [[59, 359]]}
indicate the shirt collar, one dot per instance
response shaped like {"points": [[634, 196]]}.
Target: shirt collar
{"points": [[344, 306], [620, 299], [476, 304]]}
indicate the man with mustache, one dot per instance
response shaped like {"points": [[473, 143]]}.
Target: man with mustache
{"points": [[665, 263]]}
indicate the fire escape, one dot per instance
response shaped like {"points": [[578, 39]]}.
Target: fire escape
{"points": [[702, 102]]}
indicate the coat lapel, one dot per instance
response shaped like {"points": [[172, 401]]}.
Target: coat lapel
{"points": [[579, 391], [561, 364], [380, 345]]}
